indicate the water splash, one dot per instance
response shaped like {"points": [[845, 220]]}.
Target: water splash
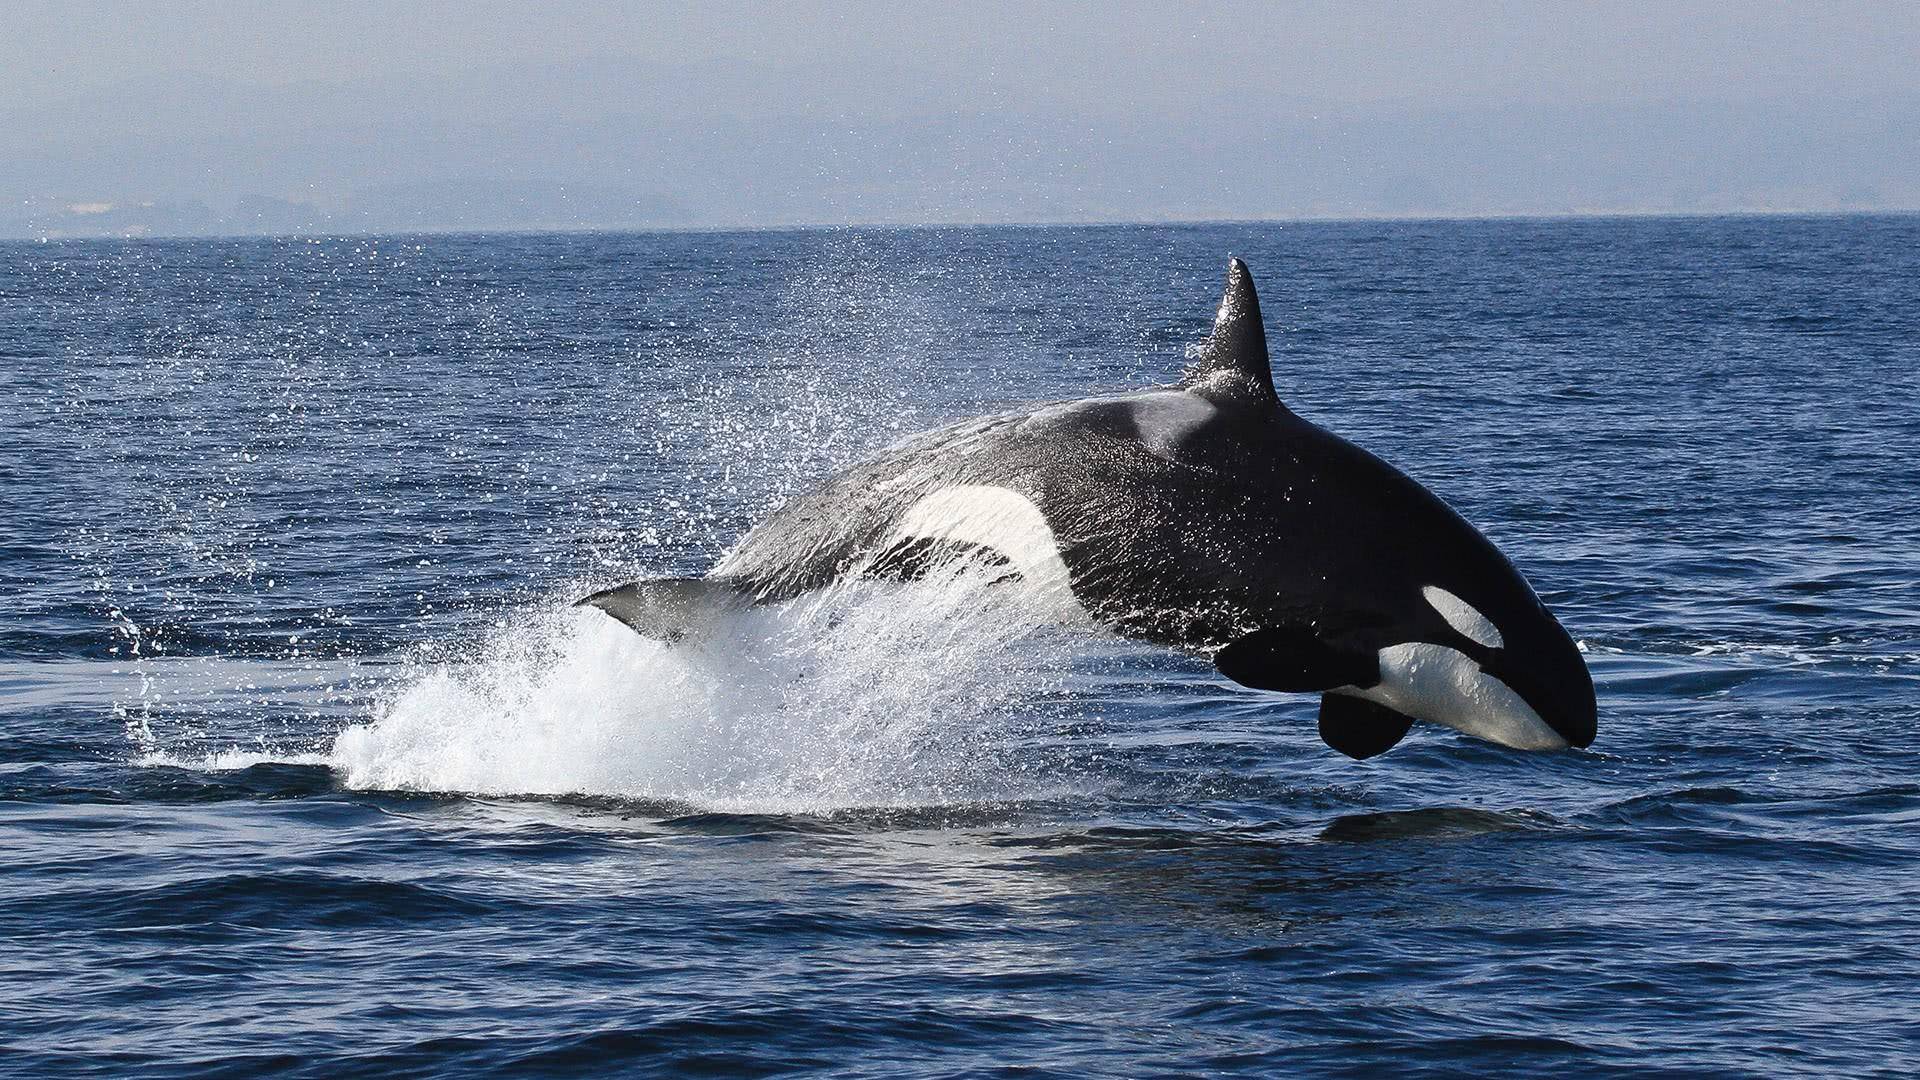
{"points": [[866, 695], [223, 713]]}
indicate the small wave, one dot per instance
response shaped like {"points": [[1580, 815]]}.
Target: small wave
{"points": [[286, 898], [229, 760], [1734, 656], [1440, 822], [1808, 324]]}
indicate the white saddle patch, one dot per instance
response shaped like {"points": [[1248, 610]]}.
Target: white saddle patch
{"points": [[1165, 418], [1002, 520]]}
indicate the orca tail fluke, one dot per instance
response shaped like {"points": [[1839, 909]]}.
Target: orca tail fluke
{"points": [[667, 609]]}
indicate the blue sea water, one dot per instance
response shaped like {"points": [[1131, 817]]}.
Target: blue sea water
{"points": [[307, 768]]}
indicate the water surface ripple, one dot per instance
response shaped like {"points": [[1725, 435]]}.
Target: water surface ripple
{"points": [[307, 769]]}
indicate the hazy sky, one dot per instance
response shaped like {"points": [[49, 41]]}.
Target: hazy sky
{"points": [[136, 116]]}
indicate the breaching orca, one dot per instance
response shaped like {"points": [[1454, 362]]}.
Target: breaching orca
{"points": [[1205, 517]]}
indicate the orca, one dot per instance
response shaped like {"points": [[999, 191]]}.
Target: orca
{"points": [[1205, 517]]}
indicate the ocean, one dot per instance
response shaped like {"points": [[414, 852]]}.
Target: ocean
{"points": [[307, 766]]}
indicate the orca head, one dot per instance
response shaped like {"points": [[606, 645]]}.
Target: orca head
{"points": [[1502, 669], [1413, 615]]}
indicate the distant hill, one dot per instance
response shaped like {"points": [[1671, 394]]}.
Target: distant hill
{"points": [[603, 144]]}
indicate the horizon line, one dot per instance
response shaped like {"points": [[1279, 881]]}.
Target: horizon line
{"points": [[884, 226]]}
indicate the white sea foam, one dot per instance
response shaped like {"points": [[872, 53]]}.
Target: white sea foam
{"points": [[872, 695], [231, 760]]}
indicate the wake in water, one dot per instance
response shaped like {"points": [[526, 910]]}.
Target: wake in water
{"points": [[867, 695]]}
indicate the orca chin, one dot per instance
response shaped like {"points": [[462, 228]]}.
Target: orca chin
{"points": [[1553, 681], [1204, 516], [1443, 686]]}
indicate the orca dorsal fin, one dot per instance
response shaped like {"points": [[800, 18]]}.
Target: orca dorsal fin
{"points": [[1233, 361]]}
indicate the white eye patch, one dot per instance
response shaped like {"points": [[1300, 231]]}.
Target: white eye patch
{"points": [[1463, 617]]}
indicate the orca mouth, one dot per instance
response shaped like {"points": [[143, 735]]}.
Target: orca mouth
{"points": [[1559, 691]]}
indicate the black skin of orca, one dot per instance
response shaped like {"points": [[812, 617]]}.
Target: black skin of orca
{"points": [[1205, 517]]}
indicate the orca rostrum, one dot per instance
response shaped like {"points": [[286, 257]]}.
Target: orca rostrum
{"points": [[1205, 517]]}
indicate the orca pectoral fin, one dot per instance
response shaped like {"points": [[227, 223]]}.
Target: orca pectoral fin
{"points": [[1360, 728], [666, 609], [1295, 660]]}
